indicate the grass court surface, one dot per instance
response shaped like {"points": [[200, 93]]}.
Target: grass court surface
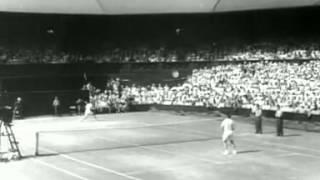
{"points": [[159, 145]]}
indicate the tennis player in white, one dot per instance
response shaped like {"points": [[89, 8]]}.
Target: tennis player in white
{"points": [[228, 128], [88, 111]]}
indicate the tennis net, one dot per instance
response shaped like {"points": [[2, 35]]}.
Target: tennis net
{"points": [[76, 141]]}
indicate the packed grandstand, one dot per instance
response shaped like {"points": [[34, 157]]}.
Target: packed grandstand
{"points": [[294, 86], [250, 52], [224, 60]]}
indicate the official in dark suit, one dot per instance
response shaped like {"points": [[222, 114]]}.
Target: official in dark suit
{"points": [[257, 111]]}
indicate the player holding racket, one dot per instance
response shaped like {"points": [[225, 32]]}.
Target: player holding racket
{"points": [[228, 127], [89, 110]]}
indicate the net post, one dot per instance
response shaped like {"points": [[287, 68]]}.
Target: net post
{"points": [[37, 144]]}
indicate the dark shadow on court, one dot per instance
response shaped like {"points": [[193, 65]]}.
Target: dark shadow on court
{"points": [[47, 155], [291, 135], [18, 159], [269, 132], [27, 157], [311, 130], [248, 151]]}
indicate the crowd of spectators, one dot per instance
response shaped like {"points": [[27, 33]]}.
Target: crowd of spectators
{"points": [[293, 86], [213, 52], [267, 51], [37, 56]]}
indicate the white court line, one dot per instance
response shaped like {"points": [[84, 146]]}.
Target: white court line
{"points": [[288, 155], [280, 148], [288, 147], [308, 155], [293, 147], [92, 165], [60, 169], [157, 170]]}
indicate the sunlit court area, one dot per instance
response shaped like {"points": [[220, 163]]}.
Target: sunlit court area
{"points": [[160, 90]]}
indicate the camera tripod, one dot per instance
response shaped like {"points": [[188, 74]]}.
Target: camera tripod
{"points": [[6, 131]]}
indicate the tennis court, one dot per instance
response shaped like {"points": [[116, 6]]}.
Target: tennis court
{"points": [[158, 145]]}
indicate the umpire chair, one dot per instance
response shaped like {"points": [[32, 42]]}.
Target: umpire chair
{"points": [[7, 133]]}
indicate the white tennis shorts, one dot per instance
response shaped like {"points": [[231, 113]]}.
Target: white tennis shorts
{"points": [[227, 136]]}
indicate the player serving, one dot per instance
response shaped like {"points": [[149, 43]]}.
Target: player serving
{"points": [[228, 127]]}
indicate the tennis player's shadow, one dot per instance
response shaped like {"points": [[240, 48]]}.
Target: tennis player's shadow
{"points": [[248, 151], [269, 132]]}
